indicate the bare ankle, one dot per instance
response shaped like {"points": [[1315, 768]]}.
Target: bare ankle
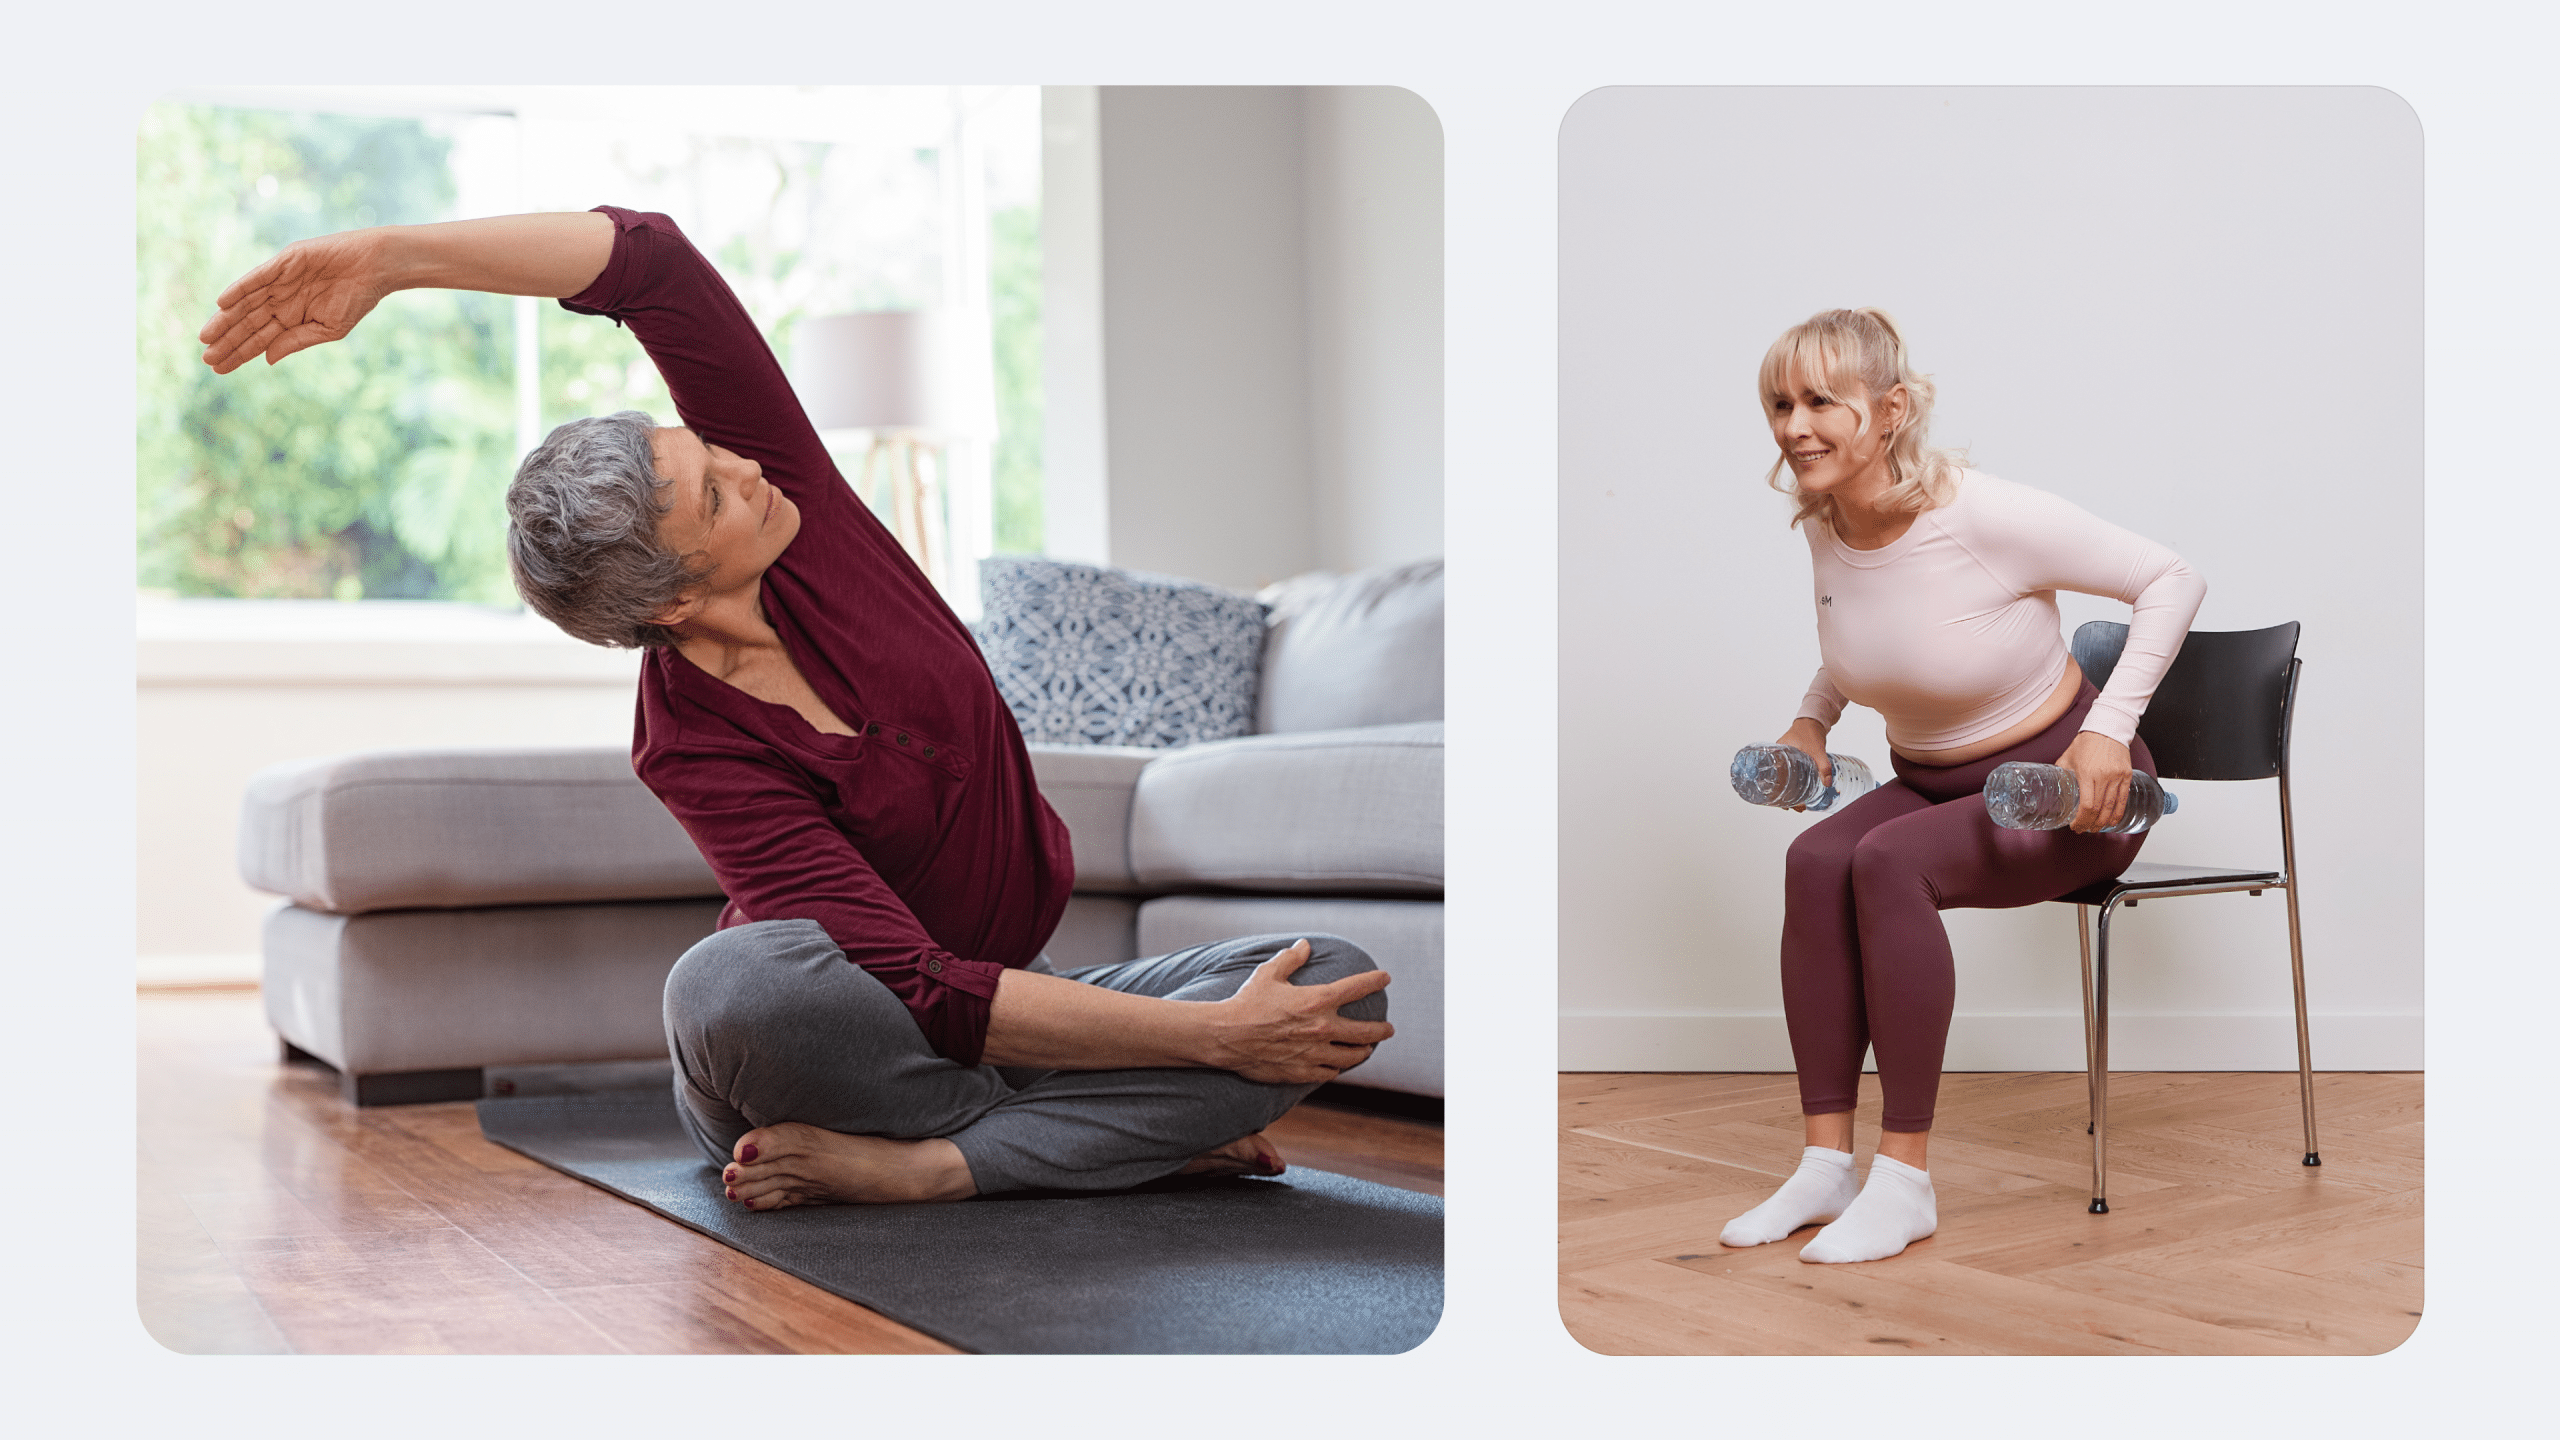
{"points": [[934, 1170]]}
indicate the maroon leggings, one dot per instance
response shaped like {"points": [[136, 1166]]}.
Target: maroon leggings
{"points": [[1865, 957]]}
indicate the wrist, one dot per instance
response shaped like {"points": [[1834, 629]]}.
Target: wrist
{"points": [[1190, 1037], [394, 258]]}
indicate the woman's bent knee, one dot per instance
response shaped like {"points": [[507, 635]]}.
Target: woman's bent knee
{"points": [[1822, 854], [1331, 958], [743, 973]]}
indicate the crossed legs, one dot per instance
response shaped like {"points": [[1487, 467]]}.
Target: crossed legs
{"points": [[782, 1046]]}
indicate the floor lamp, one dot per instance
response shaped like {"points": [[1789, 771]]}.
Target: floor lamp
{"points": [[883, 371]]}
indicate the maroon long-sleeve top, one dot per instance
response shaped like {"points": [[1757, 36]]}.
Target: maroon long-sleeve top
{"points": [[920, 843]]}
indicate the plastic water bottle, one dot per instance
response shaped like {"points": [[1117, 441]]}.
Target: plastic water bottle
{"points": [[2021, 796], [1786, 776]]}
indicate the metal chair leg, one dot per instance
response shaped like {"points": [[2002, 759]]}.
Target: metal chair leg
{"points": [[2301, 1027], [2088, 1020], [2098, 1068]]}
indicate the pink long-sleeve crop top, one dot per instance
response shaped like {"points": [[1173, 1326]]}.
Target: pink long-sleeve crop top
{"points": [[1951, 632]]}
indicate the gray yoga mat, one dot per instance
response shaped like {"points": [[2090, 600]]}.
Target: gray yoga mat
{"points": [[1308, 1263]]}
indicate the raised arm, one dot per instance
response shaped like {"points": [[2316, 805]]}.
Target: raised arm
{"points": [[314, 291]]}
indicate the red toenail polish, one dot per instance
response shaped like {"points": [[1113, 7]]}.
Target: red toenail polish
{"points": [[747, 1154]]}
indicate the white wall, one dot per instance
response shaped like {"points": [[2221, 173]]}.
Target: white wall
{"points": [[1373, 164], [2195, 312], [1269, 288], [1204, 336], [1074, 449]]}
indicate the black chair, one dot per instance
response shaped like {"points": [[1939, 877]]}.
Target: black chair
{"points": [[2223, 712]]}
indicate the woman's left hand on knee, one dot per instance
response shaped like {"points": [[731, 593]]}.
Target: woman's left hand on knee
{"points": [[1284, 1034]]}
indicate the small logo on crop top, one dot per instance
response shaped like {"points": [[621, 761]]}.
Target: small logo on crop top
{"points": [[1826, 602]]}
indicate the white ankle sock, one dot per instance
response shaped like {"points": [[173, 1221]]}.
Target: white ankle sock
{"points": [[1897, 1207], [1825, 1182]]}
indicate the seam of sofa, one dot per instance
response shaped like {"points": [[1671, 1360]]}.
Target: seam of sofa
{"points": [[1261, 875]]}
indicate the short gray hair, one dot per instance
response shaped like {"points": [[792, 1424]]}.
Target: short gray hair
{"points": [[582, 533]]}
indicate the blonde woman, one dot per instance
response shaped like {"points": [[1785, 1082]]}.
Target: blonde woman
{"points": [[1933, 600]]}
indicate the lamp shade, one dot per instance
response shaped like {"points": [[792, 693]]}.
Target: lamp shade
{"points": [[873, 370]]}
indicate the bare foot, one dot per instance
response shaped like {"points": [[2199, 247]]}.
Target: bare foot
{"points": [[1252, 1155], [794, 1164]]}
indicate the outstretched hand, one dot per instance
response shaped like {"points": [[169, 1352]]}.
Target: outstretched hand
{"points": [[309, 293], [1284, 1034]]}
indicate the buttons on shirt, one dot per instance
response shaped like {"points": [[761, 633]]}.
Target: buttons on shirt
{"points": [[871, 729], [933, 967], [903, 737]]}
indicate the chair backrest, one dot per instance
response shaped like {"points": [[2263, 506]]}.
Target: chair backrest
{"points": [[2223, 712]]}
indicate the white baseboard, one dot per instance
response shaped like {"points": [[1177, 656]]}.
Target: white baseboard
{"points": [[186, 972], [1758, 1042]]}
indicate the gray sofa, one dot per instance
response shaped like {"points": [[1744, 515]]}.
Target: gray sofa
{"points": [[454, 916]]}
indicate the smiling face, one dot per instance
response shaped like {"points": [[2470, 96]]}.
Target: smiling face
{"points": [[1833, 438], [723, 512]]}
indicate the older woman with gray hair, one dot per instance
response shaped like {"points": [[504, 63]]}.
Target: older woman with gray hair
{"points": [[873, 1021]]}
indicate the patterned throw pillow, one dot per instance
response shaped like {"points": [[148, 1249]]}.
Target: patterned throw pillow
{"points": [[1089, 656]]}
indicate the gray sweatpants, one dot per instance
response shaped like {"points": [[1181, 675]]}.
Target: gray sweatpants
{"points": [[769, 1023]]}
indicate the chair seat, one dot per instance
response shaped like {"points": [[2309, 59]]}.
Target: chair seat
{"points": [[2142, 875]]}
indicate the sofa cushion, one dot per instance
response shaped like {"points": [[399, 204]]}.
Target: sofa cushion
{"points": [[1089, 656], [1349, 650], [409, 829], [1323, 811], [1095, 930], [1090, 787]]}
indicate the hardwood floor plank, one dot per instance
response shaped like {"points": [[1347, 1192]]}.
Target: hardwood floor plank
{"points": [[274, 1217], [1379, 1148], [735, 1314], [2391, 1283], [407, 1292], [1708, 1135], [1642, 1307], [1586, 1100], [1724, 1192], [2220, 1242], [189, 1295], [2031, 1318], [1656, 1231], [2319, 1315], [2336, 1237], [2039, 1231]]}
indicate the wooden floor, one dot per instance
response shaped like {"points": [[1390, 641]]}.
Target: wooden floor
{"points": [[2220, 1242], [274, 1218]]}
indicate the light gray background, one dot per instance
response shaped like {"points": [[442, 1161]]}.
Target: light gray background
{"points": [[2195, 312]]}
